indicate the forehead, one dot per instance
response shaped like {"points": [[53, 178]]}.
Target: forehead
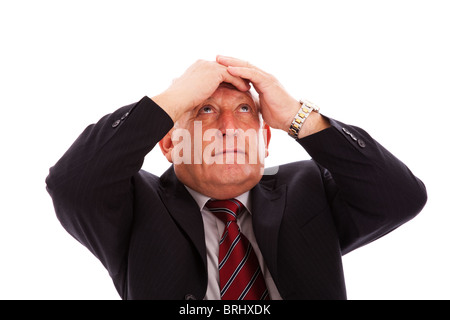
{"points": [[227, 92], [226, 95]]}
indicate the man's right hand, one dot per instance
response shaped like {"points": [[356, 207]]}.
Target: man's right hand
{"points": [[196, 85]]}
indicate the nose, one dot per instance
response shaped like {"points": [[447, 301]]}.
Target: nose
{"points": [[227, 121]]}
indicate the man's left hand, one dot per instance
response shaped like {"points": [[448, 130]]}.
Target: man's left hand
{"points": [[278, 107]]}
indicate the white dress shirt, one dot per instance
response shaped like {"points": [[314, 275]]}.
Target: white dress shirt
{"points": [[214, 228]]}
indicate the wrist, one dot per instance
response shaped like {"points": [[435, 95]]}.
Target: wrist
{"points": [[315, 123], [307, 121], [171, 104], [295, 108]]}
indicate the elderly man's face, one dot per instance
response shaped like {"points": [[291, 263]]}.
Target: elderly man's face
{"points": [[218, 148]]}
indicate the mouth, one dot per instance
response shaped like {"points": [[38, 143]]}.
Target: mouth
{"points": [[227, 151]]}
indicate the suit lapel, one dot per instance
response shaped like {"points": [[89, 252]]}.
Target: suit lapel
{"points": [[267, 211], [184, 210]]}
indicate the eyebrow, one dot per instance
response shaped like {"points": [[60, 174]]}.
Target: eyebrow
{"points": [[239, 99]]}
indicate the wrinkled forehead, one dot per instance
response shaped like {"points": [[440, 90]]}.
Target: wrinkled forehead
{"points": [[250, 93]]}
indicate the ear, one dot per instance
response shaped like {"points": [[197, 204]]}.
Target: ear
{"points": [[267, 136], [166, 145]]}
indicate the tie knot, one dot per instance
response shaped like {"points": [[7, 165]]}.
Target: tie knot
{"points": [[225, 210]]}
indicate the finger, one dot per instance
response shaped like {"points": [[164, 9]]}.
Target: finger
{"points": [[230, 61], [251, 74], [238, 82]]}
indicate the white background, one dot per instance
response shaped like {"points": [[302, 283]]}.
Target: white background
{"points": [[381, 65]]}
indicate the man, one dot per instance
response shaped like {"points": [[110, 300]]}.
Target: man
{"points": [[213, 226]]}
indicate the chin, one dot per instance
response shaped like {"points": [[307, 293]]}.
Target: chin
{"points": [[237, 175], [220, 181]]}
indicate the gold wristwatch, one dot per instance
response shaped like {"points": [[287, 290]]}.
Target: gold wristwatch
{"points": [[306, 108]]}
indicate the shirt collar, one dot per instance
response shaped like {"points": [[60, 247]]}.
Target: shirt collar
{"points": [[202, 199]]}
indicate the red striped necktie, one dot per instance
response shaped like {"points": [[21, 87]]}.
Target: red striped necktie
{"points": [[239, 271]]}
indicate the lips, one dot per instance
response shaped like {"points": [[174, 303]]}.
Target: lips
{"points": [[226, 151]]}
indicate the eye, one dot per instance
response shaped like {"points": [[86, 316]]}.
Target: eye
{"points": [[244, 108], [206, 109]]}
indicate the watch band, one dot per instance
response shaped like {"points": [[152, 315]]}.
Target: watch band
{"points": [[305, 110]]}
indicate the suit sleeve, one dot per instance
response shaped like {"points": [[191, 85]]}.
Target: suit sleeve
{"points": [[370, 191], [91, 185]]}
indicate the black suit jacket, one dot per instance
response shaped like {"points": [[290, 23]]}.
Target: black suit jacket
{"points": [[148, 231]]}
